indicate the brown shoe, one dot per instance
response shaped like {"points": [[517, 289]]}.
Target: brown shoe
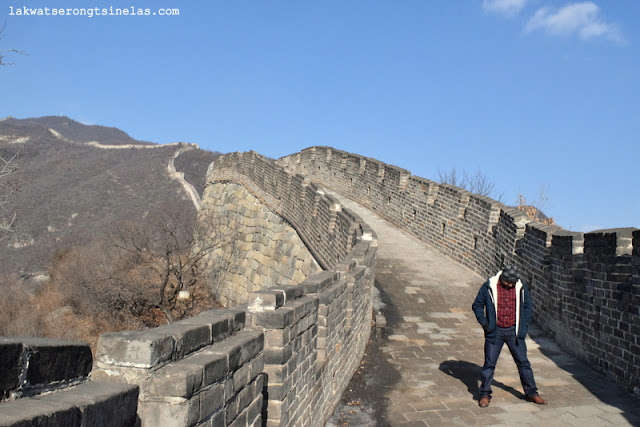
{"points": [[537, 400], [484, 401]]}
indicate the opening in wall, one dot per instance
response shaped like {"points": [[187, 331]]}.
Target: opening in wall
{"points": [[368, 190], [388, 200], [475, 243], [444, 227]]}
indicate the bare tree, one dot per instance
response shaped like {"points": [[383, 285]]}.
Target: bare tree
{"points": [[7, 51], [150, 271], [8, 186], [477, 183], [167, 251]]}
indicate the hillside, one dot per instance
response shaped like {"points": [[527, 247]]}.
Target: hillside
{"points": [[76, 180]]}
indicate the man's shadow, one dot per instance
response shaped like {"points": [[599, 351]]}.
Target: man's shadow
{"points": [[469, 374]]}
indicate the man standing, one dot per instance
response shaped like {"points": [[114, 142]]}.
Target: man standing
{"points": [[503, 309]]}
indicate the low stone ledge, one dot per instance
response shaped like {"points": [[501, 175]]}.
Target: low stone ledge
{"points": [[32, 365], [223, 322], [89, 404], [239, 348], [318, 282], [265, 300], [136, 349], [286, 315], [188, 337]]}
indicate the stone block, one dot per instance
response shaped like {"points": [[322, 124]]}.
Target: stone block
{"points": [[103, 404], [278, 355], [175, 413], [356, 274], [215, 366], [188, 337], [245, 397], [257, 366], [11, 360], [50, 361], [345, 266], [139, 349], [290, 292], [176, 380], [277, 319], [92, 404], [231, 408], [216, 420], [224, 322], [241, 378], [254, 414], [276, 373], [240, 421], [277, 337], [20, 414], [212, 401], [265, 300], [239, 348]]}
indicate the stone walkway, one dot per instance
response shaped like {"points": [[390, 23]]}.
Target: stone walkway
{"points": [[423, 369]]}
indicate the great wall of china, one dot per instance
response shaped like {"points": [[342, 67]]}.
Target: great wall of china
{"points": [[286, 355]]}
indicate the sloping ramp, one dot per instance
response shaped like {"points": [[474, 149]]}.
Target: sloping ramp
{"points": [[423, 369]]}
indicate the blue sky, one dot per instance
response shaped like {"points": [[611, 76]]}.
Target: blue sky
{"points": [[539, 95]]}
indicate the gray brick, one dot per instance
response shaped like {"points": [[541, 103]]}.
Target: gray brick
{"points": [[49, 361], [11, 356], [140, 349], [211, 401], [187, 337], [179, 379]]}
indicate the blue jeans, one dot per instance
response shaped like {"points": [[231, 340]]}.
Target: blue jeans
{"points": [[518, 350]]}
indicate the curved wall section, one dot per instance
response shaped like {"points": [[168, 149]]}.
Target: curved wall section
{"points": [[282, 359], [586, 286], [261, 250]]}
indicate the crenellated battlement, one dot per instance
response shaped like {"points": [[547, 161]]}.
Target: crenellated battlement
{"points": [[586, 285], [285, 357]]}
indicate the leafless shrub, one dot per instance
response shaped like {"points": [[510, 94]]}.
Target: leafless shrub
{"points": [[147, 272], [477, 183]]}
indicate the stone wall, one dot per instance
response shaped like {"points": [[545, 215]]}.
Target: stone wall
{"points": [[282, 359], [45, 382], [263, 250], [586, 286]]}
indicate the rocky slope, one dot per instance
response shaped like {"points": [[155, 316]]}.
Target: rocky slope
{"points": [[74, 181]]}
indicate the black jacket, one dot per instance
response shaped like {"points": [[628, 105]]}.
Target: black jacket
{"points": [[486, 311]]}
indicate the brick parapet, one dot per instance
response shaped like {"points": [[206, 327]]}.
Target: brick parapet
{"points": [[283, 358], [585, 285], [315, 332], [46, 382], [205, 370]]}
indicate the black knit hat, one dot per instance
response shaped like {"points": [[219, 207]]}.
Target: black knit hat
{"points": [[509, 274]]}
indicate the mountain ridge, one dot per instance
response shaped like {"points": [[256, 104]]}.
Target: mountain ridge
{"points": [[77, 184]]}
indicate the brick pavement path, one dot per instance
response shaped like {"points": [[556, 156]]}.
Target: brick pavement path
{"points": [[423, 369]]}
